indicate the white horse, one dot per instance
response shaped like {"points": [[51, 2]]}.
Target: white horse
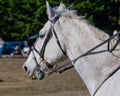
{"points": [[99, 71]]}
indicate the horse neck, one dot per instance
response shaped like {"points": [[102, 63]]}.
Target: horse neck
{"points": [[93, 69]]}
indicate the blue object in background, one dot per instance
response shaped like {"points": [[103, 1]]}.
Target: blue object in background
{"points": [[9, 47], [1, 46], [33, 37], [1, 51]]}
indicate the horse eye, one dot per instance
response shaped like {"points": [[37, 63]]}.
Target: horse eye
{"points": [[41, 36]]}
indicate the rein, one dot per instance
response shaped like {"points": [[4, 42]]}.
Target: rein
{"points": [[89, 52], [62, 68]]}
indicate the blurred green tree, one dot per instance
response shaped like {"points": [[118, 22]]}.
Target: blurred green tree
{"points": [[20, 19], [101, 13]]}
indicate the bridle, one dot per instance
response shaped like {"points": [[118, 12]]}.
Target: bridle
{"points": [[48, 37]]}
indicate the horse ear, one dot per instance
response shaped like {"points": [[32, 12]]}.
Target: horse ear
{"points": [[61, 7], [50, 11]]}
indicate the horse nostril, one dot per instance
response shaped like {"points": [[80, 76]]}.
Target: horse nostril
{"points": [[25, 68]]}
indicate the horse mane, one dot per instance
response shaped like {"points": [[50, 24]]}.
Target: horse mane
{"points": [[97, 33]]}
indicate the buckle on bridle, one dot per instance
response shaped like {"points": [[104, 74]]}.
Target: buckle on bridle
{"points": [[47, 64]]}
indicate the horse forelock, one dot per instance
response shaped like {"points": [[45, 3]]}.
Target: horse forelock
{"points": [[66, 12]]}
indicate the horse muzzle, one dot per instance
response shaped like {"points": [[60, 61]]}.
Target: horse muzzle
{"points": [[36, 74]]}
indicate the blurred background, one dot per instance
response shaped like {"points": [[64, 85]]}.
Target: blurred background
{"points": [[21, 20]]}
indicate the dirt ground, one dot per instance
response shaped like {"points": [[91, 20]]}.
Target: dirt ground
{"points": [[15, 82]]}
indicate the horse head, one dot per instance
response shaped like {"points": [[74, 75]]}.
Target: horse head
{"points": [[46, 51]]}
